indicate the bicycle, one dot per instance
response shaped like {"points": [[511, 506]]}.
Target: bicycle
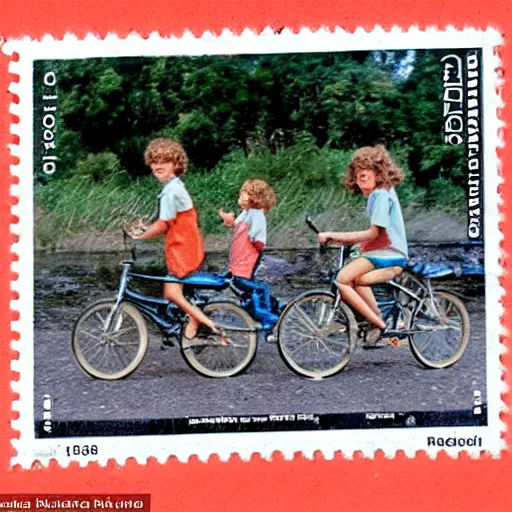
{"points": [[318, 333], [110, 337]]}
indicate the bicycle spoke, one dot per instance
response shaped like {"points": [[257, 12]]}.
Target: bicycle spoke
{"points": [[321, 342], [103, 351], [299, 348], [90, 348], [298, 327], [120, 332], [102, 320], [115, 336], [305, 319], [92, 357], [124, 353], [90, 335], [439, 338], [426, 345], [116, 356]]}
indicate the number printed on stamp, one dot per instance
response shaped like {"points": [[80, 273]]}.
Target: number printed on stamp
{"points": [[242, 244]]}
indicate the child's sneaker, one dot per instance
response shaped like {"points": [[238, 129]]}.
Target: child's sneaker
{"points": [[272, 338]]}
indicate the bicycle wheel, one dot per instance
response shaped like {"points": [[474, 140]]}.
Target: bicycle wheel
{"points": [[114, 354], [441, 334], [314, 339], [215, 357]]}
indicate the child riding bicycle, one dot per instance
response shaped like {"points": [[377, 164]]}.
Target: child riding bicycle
{"points": [[383, 246], [177, 220], [256, 199]]}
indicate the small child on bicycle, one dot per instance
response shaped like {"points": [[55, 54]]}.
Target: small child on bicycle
{"points": [[383, 246], [177, 220], [256, 199]]}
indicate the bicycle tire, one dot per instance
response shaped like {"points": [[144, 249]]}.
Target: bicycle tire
{"points": [[213, 358], [421, 344], [110, 342], [309, 316]]}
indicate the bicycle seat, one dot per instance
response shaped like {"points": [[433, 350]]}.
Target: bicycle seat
{"points": [[430, 270], [201, 280]]}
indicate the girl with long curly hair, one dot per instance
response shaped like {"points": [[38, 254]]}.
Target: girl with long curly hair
{"points": [[383, 246]]}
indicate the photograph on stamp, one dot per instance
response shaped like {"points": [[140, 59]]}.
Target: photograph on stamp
{"points": [[237, 242], [250, 125]]}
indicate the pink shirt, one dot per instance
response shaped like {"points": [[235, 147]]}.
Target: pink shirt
{"points": [[250, 227]]}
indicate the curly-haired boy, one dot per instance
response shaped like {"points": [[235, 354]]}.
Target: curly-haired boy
{"points": [[256, 199], [177, 220]]}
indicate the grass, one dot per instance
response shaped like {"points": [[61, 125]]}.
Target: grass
{"points": [[305, 179]]}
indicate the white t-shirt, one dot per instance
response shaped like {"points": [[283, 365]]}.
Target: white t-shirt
{"points": [[384, 211], [173, 199]]}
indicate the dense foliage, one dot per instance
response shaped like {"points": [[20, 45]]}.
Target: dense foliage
{"points": [[277, 115]]}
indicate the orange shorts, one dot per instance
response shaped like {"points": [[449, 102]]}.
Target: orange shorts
{"points": [[184, 250]]}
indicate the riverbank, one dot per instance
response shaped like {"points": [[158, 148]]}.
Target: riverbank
{"points": [[421, 226]]}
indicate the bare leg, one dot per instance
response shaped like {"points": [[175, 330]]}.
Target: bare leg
{"points": [[367, 294], [174, 293], [363, 283], [378, 276], [345, 279], [191, 327]]}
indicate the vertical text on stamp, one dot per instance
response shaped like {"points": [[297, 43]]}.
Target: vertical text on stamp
{"points": [[49, 112], [462, 125]]}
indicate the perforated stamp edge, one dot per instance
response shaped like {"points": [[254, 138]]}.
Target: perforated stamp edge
{"points": [[328, 443]]}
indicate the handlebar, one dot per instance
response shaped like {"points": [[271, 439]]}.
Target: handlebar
{"points": [[311, 225], [133, 249], [128, 228]]}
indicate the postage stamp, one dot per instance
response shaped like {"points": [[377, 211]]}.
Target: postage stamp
{"points": [[246, 244]]}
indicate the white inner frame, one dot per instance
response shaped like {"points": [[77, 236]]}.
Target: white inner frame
{"points": [[245, 444]]}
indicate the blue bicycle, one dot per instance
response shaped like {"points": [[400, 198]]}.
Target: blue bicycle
{"points": [[318, 332], [110, 337]]}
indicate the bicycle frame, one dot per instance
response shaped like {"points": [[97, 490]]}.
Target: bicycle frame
{"points": [[161, 312], [170, 319], [393, 306]]}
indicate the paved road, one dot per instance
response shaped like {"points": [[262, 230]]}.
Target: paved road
{"points": [[164, 386]]}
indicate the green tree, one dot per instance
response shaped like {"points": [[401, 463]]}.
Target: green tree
{"points": [[215, 104], [430, 158]]}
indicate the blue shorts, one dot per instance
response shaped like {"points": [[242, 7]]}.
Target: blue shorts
{"points": [[385, 258]]}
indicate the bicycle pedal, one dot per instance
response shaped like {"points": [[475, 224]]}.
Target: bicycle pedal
{"points": [[398, 342], [167, 343]]}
